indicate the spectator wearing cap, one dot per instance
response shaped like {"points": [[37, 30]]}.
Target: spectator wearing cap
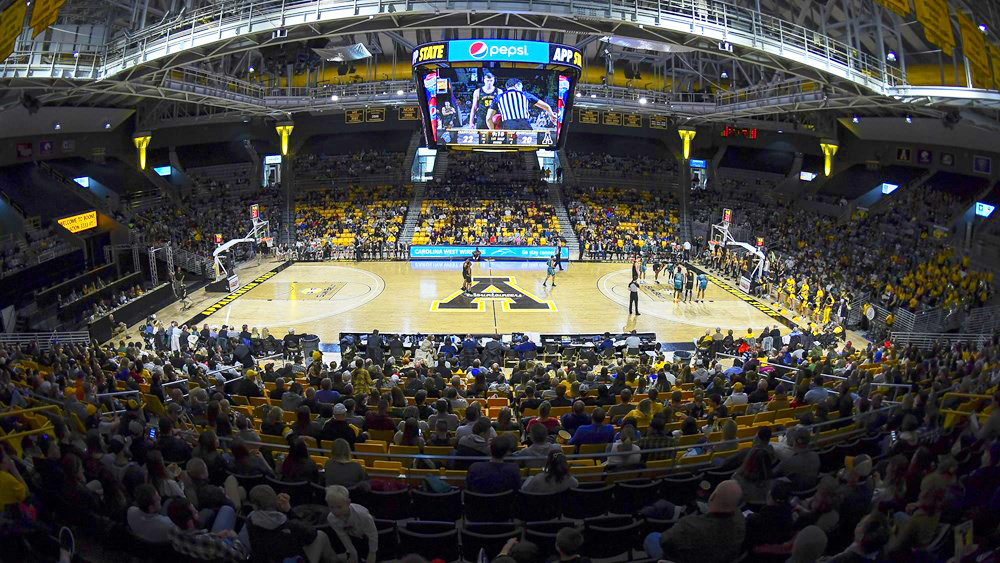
{"points": [[738, 397], [338, 427], [272, 512], [714, 537], [802, 466], [772, 523]]}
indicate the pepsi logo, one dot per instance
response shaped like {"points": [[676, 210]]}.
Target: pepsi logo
{"points": [[478, 50]]}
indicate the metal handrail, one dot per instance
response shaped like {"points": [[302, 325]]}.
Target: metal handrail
{"points": [[733, 23]]}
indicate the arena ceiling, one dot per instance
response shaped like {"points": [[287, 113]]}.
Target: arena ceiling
{"points": [[179, 59]]}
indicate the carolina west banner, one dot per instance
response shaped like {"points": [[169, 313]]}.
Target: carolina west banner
{"points": [[974, 48], [936, 18], [901, 7], [44, 14], [11, 23]]}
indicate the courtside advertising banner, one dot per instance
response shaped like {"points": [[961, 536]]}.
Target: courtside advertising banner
{"points": [[432, 252]]}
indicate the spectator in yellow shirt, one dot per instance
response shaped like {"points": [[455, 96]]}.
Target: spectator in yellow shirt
{"points": [[642, 413]]}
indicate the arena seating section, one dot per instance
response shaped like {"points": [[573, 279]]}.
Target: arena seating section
{"points": [[511, 212], [621, 220], [337, 218], [614, 505]]}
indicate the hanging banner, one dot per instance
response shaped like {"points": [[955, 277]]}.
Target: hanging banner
{"points": [[901, 7], [11, 24], [613, 118], [632, 120], [659, 121], [590, 116], [354, 116], [974, 48], [936, 18], [44, 14], [408, 113], [995, 58]]}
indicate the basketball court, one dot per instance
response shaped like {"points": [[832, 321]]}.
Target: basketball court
{"points": [[326, 298]]}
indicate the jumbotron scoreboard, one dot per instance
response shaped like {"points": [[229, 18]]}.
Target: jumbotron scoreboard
{"points": [[495, 93]]}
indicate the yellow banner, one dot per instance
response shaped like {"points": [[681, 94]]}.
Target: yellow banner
{"points": [[901, 7], [995, 57], [974, 48], [936, 18], [11, 24], [81, 222], [44, 14]]}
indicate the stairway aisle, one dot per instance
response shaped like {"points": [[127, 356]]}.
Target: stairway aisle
{"points": [[413, 212], [565, 224]]}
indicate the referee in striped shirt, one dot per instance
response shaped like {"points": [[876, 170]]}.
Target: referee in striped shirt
{"points": [[513, 105]]}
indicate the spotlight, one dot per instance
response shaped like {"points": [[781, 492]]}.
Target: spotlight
{"points": [[593, 95], [982, 27], [781, 131], [909, 119], [643, 101], [334, 98], [891, 57], [399, 92], [724, 74], [76, 54], [250, 69], [855, 119], [57, 126], [107, 125]]}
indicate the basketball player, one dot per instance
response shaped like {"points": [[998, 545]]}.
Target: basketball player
{"points": [[642, 267], [657, 267], [559, 245], [635, 267], [689, 286], [702, 284], [467, 275], [550, 271], [482, 99], [678, 283]]}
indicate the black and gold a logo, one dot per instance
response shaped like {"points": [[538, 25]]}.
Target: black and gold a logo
{"points": [[496, 288]]}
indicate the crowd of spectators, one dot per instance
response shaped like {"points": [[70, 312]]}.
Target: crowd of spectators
{"points": [[349, 166], [360, 221], [99, 307], [205, 211], [615, 166], [29, 248], [890, 498], [873, 252], [483, 213], [618, 223]]}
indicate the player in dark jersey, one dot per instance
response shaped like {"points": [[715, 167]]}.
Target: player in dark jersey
{"points": [[482, 99], [689, 286], [467, 275]]}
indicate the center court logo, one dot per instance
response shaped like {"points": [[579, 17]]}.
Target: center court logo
{"points": [[479, 50]]}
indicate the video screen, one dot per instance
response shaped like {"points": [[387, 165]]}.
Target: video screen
{"points": [[486, 105]]}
